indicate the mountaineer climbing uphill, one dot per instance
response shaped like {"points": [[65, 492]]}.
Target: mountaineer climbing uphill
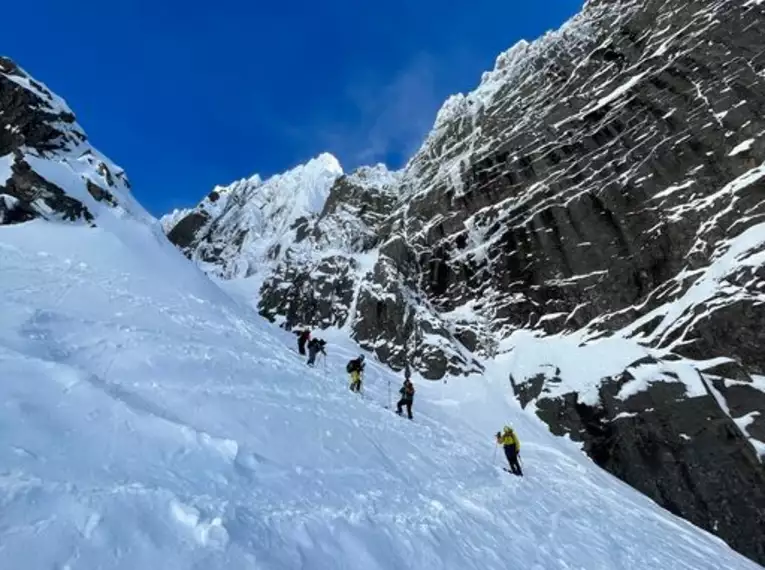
{"points": [[315, 346], [407, 398], [512, 446], [355, 369], [303, 337]]}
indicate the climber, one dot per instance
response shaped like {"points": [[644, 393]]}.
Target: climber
{"points": [[512, 445], [355, 368], [303, 337], [315, 346], [407, 398]]}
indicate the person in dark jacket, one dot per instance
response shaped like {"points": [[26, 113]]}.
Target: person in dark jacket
{"points": [[315, 346], [512, 445], [407, 398], [356, 368], [303, 337]]}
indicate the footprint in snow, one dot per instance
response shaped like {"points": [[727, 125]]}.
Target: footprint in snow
{"points": [[208, 533]]}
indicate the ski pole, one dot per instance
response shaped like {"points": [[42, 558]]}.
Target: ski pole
{"points": [[390, 403]]}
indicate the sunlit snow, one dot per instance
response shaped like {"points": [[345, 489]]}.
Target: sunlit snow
{"points": [[151, 421]]}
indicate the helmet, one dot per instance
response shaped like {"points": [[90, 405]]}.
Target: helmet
{"points": [[361, 357]]}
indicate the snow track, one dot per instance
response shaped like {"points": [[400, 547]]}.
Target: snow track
{"points": [[149, 420]]}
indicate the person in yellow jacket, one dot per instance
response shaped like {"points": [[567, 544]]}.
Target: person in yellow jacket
{"points": [[355, 369], [508, 439]]}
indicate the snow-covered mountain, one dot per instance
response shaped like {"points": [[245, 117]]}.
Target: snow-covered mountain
{"points": [[309, 241], [239, 229], [592, 216], [152, 420]]}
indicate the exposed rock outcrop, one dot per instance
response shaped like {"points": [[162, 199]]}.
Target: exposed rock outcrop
{"points": [[47, 167], [671, 439]]}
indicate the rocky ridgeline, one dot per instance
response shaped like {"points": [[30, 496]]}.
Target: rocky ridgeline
{"points": [[48, 169], [320, 246]]}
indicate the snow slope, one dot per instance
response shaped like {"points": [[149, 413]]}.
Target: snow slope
{"points": [[151, 421]]}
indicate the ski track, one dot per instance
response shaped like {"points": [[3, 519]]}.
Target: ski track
{"points": [[151, 421]]}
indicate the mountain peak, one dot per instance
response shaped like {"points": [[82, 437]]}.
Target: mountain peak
{"points": [[328, 162], [378, 176], [250, 222], [306, 186]]}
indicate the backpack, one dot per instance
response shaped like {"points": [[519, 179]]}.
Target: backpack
{"points": [[350, 366]]}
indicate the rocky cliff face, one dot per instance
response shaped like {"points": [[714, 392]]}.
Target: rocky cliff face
{"points": [[592, 219], [48, 169], [320, 247]]}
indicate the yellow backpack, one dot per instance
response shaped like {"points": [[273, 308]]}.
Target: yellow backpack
{"points": [[509, 437]]}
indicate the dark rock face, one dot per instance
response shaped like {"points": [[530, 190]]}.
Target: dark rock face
{"points": [[589, 195], [319, 299], [619, 188], [185, 231], [36, 127], [322, 290], [27, 119], [684, 452], [606, 181], [399, 326], [27, 187], [12, 211]]}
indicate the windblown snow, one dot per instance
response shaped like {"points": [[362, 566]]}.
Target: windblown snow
{"points": [[149, 420]]}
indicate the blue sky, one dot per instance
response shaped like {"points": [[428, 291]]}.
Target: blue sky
{"points": [[186, 95]]}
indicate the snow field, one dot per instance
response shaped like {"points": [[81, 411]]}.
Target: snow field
{"points": [[150, 420]]}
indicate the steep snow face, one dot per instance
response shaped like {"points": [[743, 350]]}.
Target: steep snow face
{"points": [[239, 230], [47, 167], [151, 421]]}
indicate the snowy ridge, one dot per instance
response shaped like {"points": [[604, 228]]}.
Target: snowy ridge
{"points": [[249, 224], [160, 424], [512, 69], [509, 66], [377, 177], [214, 204], [508, 86], [169, 221], [59, 153]]}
